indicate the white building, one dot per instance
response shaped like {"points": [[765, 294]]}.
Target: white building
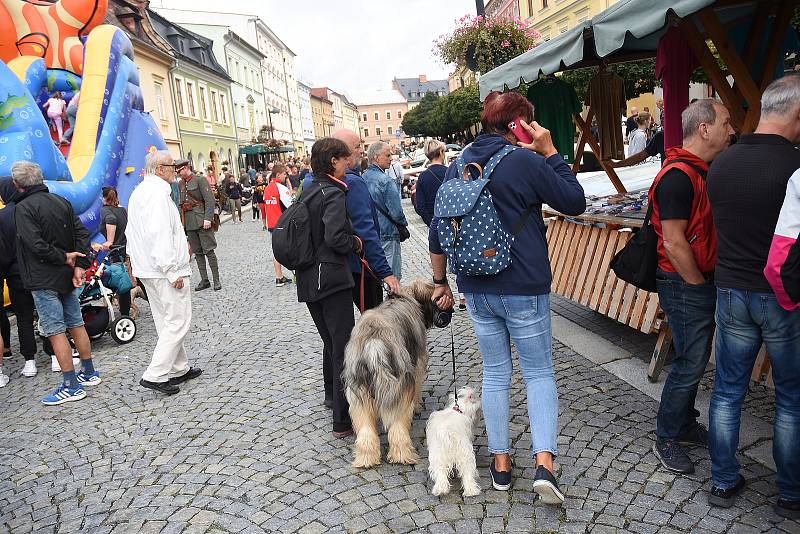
{"points": [[306, 117], [279, 91]]}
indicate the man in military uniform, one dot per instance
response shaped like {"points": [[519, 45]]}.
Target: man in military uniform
{"points": [[197, 209]]}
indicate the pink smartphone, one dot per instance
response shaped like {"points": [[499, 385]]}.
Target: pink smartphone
{"points": [[519, 131]]}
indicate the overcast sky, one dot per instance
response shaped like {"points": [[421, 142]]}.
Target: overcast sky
{"points": [[352, 45]]}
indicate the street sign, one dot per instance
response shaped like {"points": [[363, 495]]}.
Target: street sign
{"points": [[397, 134]]}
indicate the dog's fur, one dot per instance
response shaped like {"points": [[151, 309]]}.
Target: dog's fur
{"points": [[449, 435], [385, 363]]}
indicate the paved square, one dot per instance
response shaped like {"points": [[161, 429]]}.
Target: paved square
{"points": [[247, 447]]}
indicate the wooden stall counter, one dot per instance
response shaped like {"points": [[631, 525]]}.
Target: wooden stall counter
{"points": [[580, 250]]}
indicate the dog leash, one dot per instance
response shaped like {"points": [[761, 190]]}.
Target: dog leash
{"points": [[453, 356]]}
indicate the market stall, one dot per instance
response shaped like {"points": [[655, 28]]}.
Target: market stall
{"points": [[681, 35]]}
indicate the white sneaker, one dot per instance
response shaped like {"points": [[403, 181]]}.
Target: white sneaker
{"points": [[30, 368], [4, 379], [57, 368]]}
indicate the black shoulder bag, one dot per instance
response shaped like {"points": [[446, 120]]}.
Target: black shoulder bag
{"points": [[402, 229]]}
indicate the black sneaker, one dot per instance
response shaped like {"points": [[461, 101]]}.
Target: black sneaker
{"points": [[725, 498], [546, 485], [697, 436], [501, 480], [788, 509], [672, 456], [217, 286], [328, 403], [286, 280], [280, 282]]}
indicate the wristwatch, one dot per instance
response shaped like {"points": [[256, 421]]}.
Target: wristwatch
{"points": [[440, 282]]}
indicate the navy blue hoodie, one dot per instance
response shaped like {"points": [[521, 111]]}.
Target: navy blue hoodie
{"points": [[521, 179]]}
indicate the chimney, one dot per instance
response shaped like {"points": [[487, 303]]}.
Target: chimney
{"points": [[423, 78]]}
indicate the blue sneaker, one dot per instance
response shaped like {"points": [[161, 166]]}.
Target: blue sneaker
{"points": [[89, 380], [64, 394]]}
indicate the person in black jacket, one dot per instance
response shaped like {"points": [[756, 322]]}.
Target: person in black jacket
{"points": [[429, 181], [326, 286], [21, 299], [51, 247]]}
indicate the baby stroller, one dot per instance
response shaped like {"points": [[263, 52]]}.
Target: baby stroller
{"points": [[96, 296], [103, 280]]}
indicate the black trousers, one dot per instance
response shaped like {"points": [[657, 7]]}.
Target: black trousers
{"points": [[333, 317], [373, 291], [22, 303]]}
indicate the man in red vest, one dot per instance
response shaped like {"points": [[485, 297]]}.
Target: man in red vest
{"points": [[687, 256]]}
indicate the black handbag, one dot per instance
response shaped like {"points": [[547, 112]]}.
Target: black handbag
{"points": [[637, 262], [401, 228]]}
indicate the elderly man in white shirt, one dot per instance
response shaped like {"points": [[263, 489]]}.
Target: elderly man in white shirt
{"points": [[160, 260]]}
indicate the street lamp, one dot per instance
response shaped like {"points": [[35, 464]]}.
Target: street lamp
{"points": [[479, 7], [269, 115]]}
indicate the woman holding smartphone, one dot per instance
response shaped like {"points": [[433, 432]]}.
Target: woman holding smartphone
{"points": [[514, 304]]}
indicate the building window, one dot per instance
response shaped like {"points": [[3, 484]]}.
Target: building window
{"points": [[530, 8], [179, 96], [399, 114], [544, 4], [378, 131], [214, 107], [563, 25], [364, 117], [366, 132], [582, 16], [376, 116], [389, 130], [204, 103], [388, 115], [190, 99], [222, 114], [160, 108]]}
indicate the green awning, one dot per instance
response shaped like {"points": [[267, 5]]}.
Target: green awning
{"points": [[624, 30], [261, 149]]}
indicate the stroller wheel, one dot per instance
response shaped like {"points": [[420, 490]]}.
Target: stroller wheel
{"points": [[123, 330]]}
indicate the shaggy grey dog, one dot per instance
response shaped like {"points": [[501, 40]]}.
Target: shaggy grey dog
{"points": [[385, 363]]}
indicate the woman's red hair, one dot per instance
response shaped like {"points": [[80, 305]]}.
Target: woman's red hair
{"points": [[499, 109]]}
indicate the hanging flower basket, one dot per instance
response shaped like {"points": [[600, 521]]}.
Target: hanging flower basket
{"points": [[481, 44]]}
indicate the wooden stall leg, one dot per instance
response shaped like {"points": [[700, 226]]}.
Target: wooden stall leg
{"points": [[660, 353], [612, 174], [582, 140]]}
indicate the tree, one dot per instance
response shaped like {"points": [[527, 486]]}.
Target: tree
{"points": [[416, 121], [444, 116]]}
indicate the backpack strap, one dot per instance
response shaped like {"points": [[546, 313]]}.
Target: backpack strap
{"points": [[462, 166]]}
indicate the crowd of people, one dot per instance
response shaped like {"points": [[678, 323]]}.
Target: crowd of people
{"points": [[714, 210]]}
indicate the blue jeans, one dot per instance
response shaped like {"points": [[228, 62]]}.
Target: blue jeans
{"points": [[391, 248], [745, 320], [690, 313], [57, 311], [526, 320]]}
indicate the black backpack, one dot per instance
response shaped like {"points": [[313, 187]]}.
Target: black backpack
{"points": [[292, 246]]}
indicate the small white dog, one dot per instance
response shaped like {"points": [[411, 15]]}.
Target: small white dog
{"points": [[449, 435]]}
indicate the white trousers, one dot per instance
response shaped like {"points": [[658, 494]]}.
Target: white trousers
{"points": [[172, 314]]}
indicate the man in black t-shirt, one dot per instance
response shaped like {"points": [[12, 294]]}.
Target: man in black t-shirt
{"points": [[681, 218], [630, 123], [746, 186]]}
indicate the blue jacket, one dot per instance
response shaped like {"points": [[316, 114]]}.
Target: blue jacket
{"points": [[521, 179], [365, 223], [427, 186], [385, 194]]}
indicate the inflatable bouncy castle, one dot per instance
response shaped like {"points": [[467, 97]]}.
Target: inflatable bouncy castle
{"points": [[48, 46]]}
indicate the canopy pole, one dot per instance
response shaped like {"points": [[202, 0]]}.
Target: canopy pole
{"points": [[710, 66], [587, 134], [576, 167]]}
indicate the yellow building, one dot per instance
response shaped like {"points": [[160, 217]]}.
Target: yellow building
{"points": [[554, 17], [322, 115]]}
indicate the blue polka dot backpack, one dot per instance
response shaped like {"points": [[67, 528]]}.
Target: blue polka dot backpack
{"points": [[470, 232]]}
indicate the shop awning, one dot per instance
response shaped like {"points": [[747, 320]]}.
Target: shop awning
{"points": [[262, 149], [630, 29]]}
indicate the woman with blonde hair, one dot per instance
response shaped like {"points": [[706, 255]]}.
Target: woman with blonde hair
{"points": [[429, 181]]}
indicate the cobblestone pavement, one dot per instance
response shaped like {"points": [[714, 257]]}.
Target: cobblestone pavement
{"points": [[247, 447]]}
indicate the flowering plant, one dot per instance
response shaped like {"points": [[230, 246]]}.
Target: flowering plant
{"points": [[481, 43]]}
